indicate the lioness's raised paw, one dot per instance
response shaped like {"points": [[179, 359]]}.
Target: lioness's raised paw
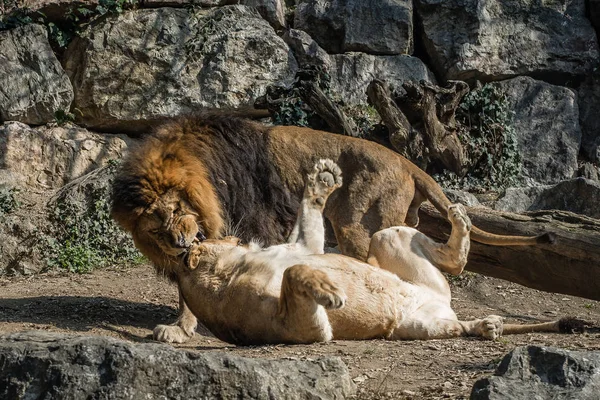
{"points": [[323, 180], [171, 334], [490, 327], [457, 214]]}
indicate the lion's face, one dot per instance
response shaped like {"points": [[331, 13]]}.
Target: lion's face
{"points": [[170, 224]]}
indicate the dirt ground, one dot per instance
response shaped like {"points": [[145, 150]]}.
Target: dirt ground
{"points": [[127, 303]]}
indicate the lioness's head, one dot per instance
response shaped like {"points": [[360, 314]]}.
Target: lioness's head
{"points": [[205, 254], [163, 196]]}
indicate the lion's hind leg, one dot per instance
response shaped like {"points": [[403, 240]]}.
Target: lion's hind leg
{"points": [[320, 183], [305, 294]]}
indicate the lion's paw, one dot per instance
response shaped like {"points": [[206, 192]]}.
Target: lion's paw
{"points": [[490, 327], [457, 214], [328, 295], [171, 334], [323, 180]]}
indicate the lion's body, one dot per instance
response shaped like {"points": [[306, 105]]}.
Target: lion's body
{"points": [[293, 293], [212, 174]]}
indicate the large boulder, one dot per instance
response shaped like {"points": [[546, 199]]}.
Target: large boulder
{"points": [[147, 64], [49, 157], [496, 39], [59, 366], [581, 196], [352, 72], [546, 121], [534, 372], [370, 26], [33, 85]]}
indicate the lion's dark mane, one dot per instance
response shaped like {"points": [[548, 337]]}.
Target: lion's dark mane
{"points": [[255, 201]]}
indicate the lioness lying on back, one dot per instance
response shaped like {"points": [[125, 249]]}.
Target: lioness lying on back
{"points": [[293, 293]]}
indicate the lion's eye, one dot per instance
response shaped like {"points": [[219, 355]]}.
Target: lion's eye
{"points": [[153, 231]]}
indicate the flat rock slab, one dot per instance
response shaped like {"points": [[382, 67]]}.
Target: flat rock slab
{"points": [[580, 195], [534, 372], [57, 366], [496, 39], [369, 26]]}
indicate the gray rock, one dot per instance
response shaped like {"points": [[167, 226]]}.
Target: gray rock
{"points": [[589, 106], [535, 372], [57, 366], [589, 171], [496, 39], [147, 64], [546, 121], [351, 73], [33, 85], [464, 198], [370, 26], [271, 10], [581, 196], [49, 157]]}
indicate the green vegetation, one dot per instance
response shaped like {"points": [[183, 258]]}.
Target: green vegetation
{"points": [[8, 200], [84, 235], [489, 141], [61, 117]]}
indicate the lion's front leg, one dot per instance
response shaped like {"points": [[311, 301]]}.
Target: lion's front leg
{"points": [[320, 183], [181, 330], [305, 294]]}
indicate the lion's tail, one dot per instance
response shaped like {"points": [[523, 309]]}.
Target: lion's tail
{"points": [[563, 325], [429, 188]]}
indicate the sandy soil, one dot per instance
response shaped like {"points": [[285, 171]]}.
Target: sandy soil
{"points": [[128, 303]]}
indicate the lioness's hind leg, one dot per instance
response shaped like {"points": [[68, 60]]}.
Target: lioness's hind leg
{"points": [[320, 183], [452, 256], [305, 294]]}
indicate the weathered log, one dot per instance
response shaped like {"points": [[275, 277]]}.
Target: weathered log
{"points": [[439, 136], [320, 103], [570, 265], [403, 137]]}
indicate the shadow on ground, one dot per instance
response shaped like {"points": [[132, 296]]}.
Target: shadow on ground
{"points": [[80, 313]]}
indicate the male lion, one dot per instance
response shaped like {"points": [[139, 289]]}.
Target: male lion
{"points": [[204, 175], [297, 294]]}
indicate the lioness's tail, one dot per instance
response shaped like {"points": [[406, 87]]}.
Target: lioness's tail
{"points": [[563, 325], [429, 188]]}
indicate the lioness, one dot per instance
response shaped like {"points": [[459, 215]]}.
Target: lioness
{"points": [[297, 294], [205, 175]]}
